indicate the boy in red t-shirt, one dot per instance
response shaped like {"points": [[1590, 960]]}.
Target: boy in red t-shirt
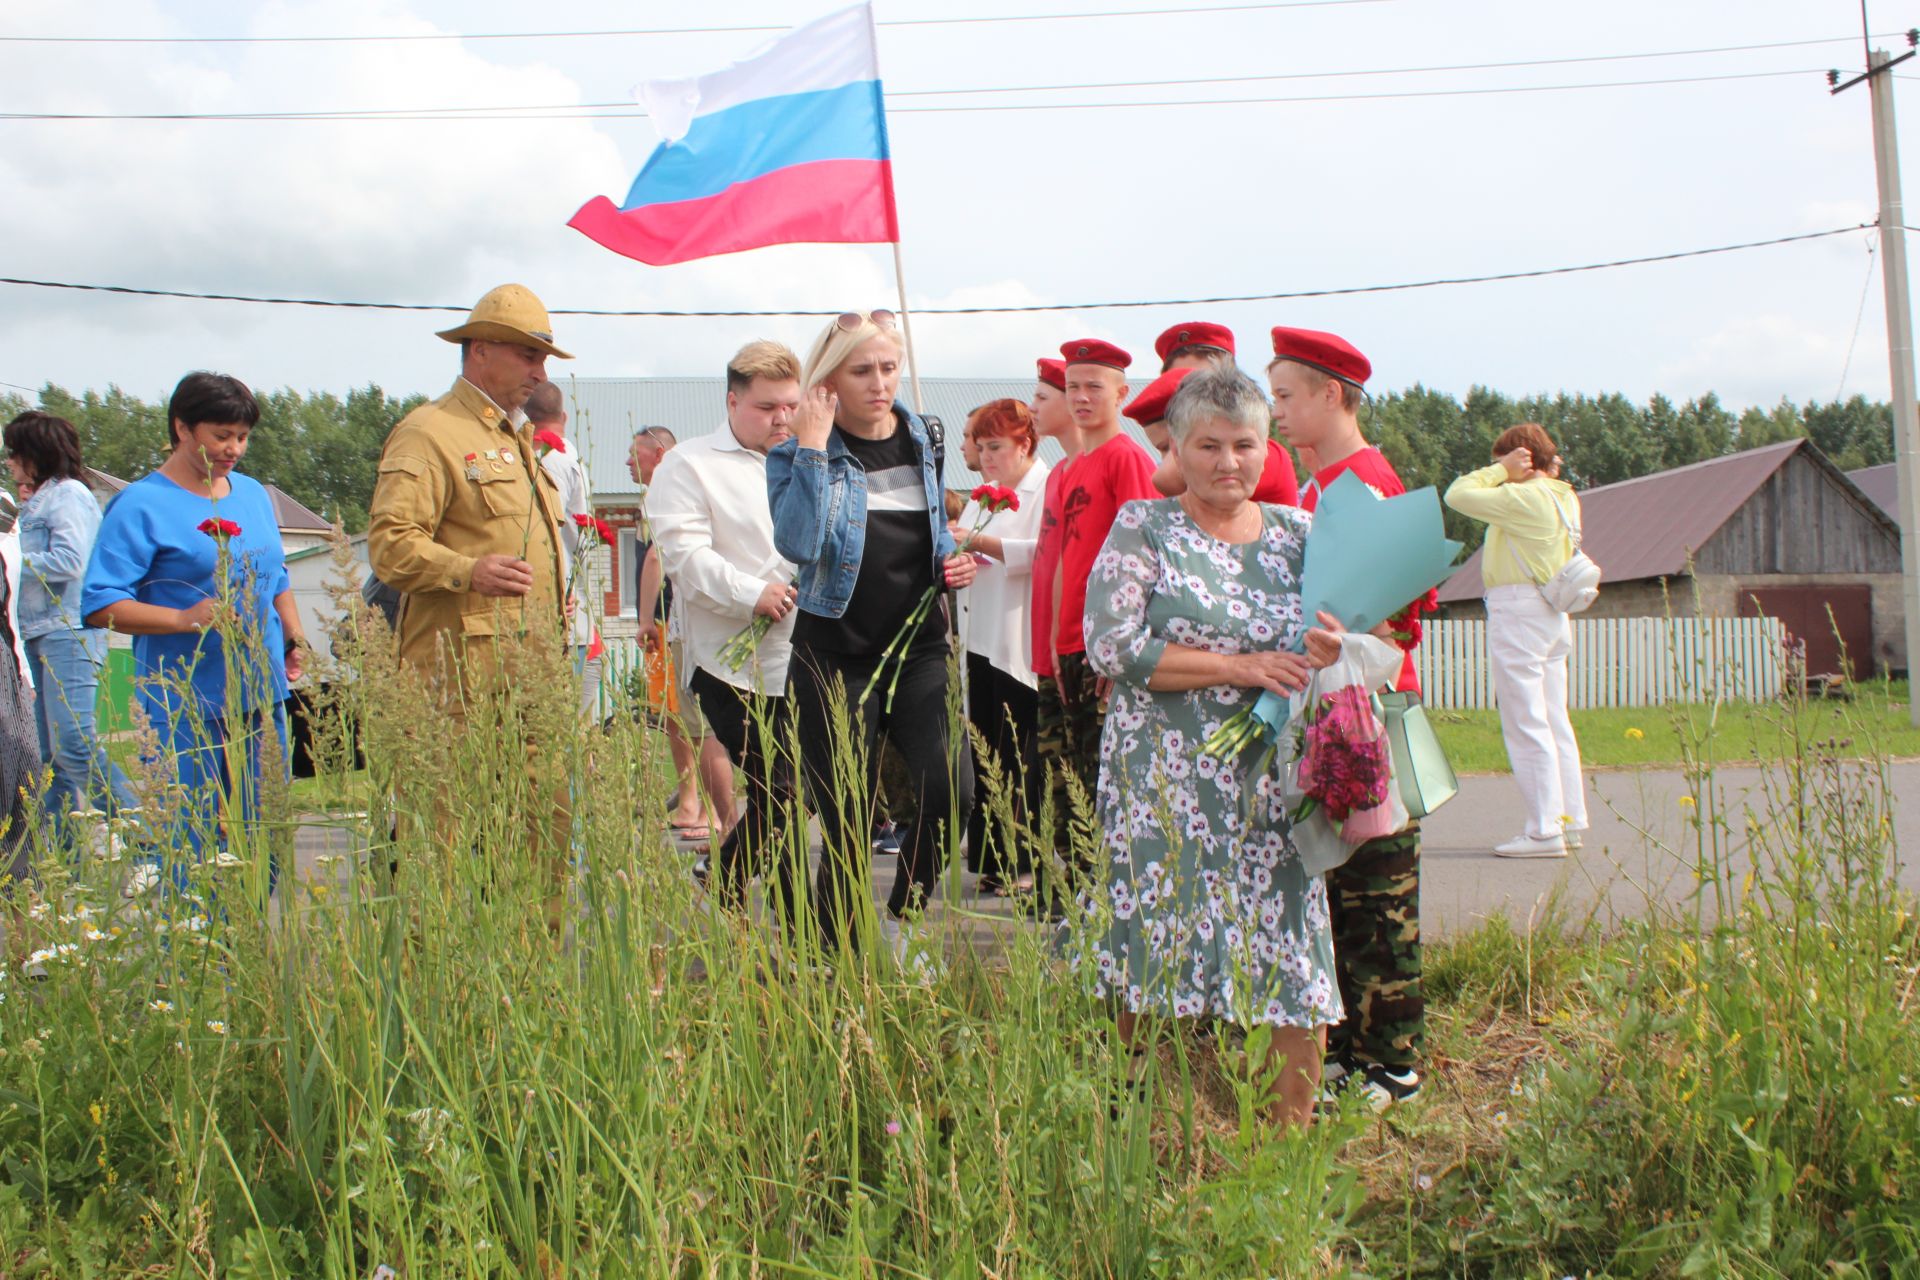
{"points": [[1053, 420], [1374, 899], [1112, 470]]}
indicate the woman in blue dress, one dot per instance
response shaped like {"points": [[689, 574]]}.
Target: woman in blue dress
{"points": [[189, 563]]}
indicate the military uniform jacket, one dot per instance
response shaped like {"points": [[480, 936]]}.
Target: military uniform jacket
{"points": [[457, 481]]}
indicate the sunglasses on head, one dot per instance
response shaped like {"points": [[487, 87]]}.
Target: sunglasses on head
{"points": [[850, 321]]}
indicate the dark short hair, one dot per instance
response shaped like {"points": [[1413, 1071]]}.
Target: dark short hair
{"points": [[210, 397], [546, 404], [48, 447]]}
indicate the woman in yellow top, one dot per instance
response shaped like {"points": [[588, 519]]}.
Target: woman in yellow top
{"points": [[1531, 517]]}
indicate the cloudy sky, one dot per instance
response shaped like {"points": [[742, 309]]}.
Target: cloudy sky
{"points": [[1349, 180]]}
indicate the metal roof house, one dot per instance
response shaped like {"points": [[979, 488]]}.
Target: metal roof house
{"points": [[604, 413], [1778, 531], [1882, 484]]}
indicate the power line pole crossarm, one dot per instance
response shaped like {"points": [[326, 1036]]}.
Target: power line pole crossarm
{"points": [[1906, 410]]}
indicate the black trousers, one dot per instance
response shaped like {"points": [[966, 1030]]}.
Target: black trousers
{"points": [[839, 736], [1007, 714], [755, 729]]}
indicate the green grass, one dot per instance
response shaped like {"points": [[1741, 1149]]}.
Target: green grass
{"points": [[409, 1069], [1873, 721]]}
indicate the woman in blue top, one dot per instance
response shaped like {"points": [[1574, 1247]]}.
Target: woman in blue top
{"points": [[57, 527], [172, 546], [858, 506]]}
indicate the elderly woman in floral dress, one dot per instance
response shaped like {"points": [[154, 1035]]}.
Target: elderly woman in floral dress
{"points": [[1193, 609]]}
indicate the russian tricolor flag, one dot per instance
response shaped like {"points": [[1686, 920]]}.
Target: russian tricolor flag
{"points": [[788, 146]]}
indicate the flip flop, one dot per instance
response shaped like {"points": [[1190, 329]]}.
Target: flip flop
{"points": [[692, 832]]}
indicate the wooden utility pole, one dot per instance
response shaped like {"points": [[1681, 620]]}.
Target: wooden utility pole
{"points": [[1893, 271]]}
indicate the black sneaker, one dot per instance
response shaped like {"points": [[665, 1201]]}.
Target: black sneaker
{"points": [[887, 838], [1383, 1087]]}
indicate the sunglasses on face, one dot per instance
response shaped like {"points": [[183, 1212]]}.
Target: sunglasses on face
{"points": [[850, 321]]}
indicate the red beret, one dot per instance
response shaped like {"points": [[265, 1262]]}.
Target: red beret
{"points": [[1094, 351], [1327, 352], [1200, 333], [1052, 372], [1151, 405]]}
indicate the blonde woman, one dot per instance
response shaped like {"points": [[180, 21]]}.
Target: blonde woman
{"points": [[858, 507]]}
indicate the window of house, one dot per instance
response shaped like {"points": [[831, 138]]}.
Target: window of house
{"points": [[624, 568]]}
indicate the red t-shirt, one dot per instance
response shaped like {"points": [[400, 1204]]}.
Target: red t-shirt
{"points": [[1278, 484], [1116, 473], [1372, 467], [1046, 558]]}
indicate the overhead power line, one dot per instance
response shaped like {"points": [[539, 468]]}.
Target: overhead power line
{"points": [[495, 110], [961, 20], [967, 311], [619, 111]]}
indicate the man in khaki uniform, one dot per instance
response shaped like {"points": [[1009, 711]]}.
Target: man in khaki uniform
{"points": [[464, 519]]}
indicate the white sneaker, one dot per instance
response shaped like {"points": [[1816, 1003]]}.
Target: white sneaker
{"points": [[1532, 847]]}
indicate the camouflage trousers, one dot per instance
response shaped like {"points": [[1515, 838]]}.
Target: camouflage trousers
{"points": [[1067, 743], [1374, 904]]}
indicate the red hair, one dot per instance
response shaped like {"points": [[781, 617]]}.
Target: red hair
{"points": [[1004, 418]]}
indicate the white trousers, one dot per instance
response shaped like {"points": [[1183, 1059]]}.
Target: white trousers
{"points": [[1527, 643]]}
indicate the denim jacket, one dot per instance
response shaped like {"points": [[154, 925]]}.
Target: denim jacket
{"points": [[57, 527], [819, 502]]}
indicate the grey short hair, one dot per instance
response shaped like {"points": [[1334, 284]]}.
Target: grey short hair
{"points": [[1206, 394]]}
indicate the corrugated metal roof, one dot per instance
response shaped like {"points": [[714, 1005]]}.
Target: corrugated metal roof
{"points": [[1647, 527], [1882, 484], [605, 412]]}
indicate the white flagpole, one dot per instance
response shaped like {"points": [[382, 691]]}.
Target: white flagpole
{"points": [[899, 272], [906, 331]]}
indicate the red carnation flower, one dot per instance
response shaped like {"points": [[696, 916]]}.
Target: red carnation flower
{"points": [[547, 441], [214, 527], [1008, 500], [600, 528]]}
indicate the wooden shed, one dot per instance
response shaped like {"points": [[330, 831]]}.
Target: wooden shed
{"points": [[1777, 531]]}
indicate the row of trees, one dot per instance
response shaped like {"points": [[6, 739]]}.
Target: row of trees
{"points": [[323, 449]]}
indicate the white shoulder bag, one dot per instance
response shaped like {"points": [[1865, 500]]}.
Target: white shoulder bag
{"points": [[1576, 584]]}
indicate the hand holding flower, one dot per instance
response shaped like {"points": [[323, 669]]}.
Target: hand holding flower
{"points": [[198, 617], [1323, 641], [960, 568]]}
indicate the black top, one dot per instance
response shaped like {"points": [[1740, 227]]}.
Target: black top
{"points": [[896, 558]]}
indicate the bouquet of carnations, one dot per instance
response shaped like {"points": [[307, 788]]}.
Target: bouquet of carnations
{"points": [[1340, 789], [740, 647]]}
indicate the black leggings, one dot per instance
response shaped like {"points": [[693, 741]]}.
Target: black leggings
{"points": [[840, 775], [754, 730], [1006, 712]]}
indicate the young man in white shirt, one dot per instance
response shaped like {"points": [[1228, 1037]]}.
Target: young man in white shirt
{"points": [[714, 531], [546, 410]]}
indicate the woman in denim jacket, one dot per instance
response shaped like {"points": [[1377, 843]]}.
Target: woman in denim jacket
{"points": [[58, 524], [858, 506]]}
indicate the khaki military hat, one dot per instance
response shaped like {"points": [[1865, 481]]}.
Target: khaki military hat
{"points": [[509, 313]]}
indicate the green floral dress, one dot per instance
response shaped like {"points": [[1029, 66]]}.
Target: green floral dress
{"points": [[1201, 905]]}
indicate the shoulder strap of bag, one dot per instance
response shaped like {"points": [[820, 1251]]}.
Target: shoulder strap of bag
{"points": [[1573, 530]]}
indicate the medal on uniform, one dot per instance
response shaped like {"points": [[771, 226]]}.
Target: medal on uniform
{"points": [[473, 466], [506, 456], [491, 455]]}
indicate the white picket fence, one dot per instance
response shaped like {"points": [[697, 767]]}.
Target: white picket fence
{"points": [[1620, 662], [1616, 662]]}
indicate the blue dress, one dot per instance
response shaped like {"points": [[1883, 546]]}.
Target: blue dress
{"points": [[151, 549]]}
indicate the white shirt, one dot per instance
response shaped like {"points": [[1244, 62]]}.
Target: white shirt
{"points": [[997, 625], [714, 528], [563, 465]]}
